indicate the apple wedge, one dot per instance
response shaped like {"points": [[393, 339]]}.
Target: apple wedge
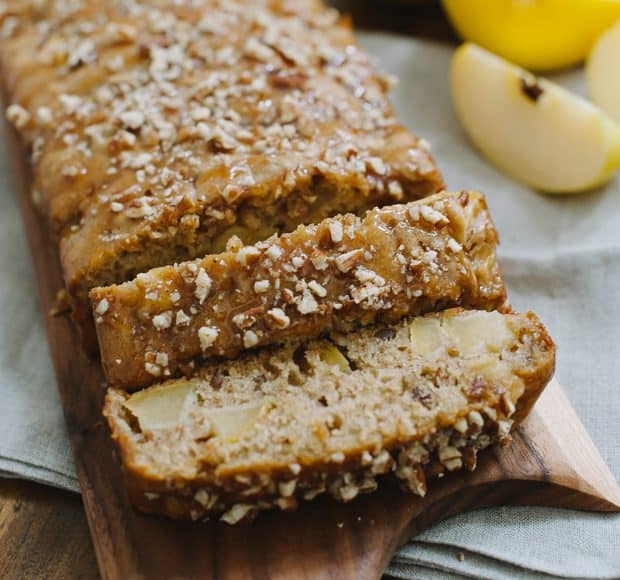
{"points": [[603, 72], [532, 129], [159, 407]]}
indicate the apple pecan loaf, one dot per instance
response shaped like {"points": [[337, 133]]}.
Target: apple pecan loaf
{"points": [[344, 272], [158, 129], [414, 399]]}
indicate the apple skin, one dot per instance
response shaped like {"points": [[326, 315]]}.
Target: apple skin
{"points": [[533, 130], [603, 72], [539, 35]]}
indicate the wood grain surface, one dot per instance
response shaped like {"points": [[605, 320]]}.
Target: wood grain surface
{"points": [[43, 532]]}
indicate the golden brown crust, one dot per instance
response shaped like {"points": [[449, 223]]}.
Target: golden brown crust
{"points": [[477, 397], [163, 124], [340, 274]]}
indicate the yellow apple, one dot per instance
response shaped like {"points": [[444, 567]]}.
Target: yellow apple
{"points": [[603, 72], [532, 129], [539, 35]]}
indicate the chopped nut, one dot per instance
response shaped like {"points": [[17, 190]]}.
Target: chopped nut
{"points": [[508, 406], [450, 458], [250, 339], [376, 164], [247, 255], [503, 429], [161, 358], [382, 463], [203, 285], [256, 49], [366, 458], [335, 231], [308, 304], [317, 289], [432, 216], [18, 116], [152, 369], [273, 252], [454, 245], [163, 320], [237, 513], [234, 244], [490, 413], [132, 119], [413, 477], [207, 336], [346, 262], [337, 457], [475, 418], [414, 212], [44, 116], [102, 307], [287, 488], [261, 286], [461, 425], [278, 318], [182, 319], [395, 189]]}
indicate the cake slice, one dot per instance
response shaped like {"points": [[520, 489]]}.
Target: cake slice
{"points": [[158, 131], [414, 399], [342, 273]]}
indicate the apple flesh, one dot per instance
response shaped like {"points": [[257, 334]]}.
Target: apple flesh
{"points": [[532, 129], [603, 73]]}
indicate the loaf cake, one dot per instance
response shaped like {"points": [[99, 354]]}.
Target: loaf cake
{"points": [[158, 129], [342, 273], [414, 399]]}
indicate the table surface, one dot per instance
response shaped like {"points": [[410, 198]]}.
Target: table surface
{"points": [[43, 531]]}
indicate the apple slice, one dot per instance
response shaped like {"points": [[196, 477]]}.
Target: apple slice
{"points": [[159, 407], [230, 422], [532, 129], [478, 331], [331, 355], [603, 72], [426, 335]]}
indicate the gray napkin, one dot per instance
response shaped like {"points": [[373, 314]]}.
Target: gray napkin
{"points": [[561, 257]]}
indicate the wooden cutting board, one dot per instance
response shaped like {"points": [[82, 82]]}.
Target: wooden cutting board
{"points": [[551, 462]]}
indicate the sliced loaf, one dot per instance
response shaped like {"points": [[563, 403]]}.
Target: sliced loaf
{"points": [[415, 399], [340, 274]]}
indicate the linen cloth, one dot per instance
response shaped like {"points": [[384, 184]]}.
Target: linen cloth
{"points": [[561, 258]]}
